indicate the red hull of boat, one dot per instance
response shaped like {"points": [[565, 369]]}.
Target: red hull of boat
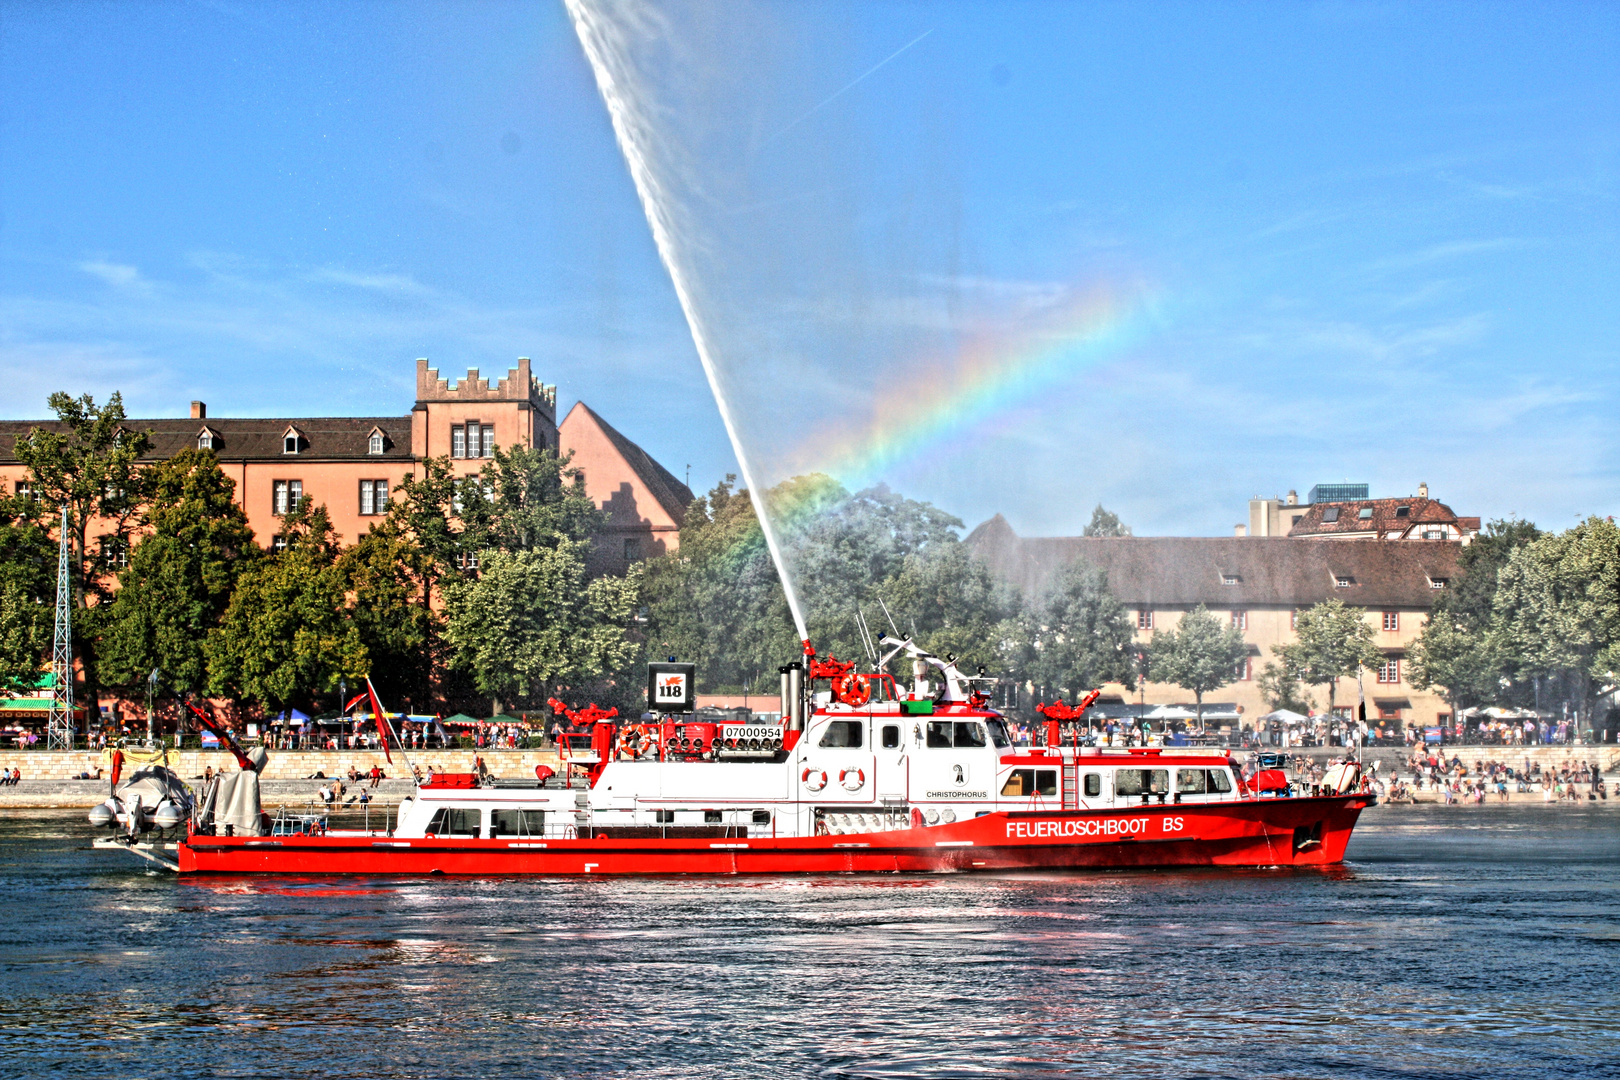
{"points": [[1259, 832]]}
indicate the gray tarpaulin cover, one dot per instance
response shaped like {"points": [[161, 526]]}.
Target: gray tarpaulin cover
{"points": [[233, 798], [153, 783]]}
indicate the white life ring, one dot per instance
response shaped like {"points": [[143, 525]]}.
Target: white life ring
{"points": [[852, 779], [814, 779]]}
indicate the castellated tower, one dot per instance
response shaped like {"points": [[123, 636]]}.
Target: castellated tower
{"points": [[466, 420]]}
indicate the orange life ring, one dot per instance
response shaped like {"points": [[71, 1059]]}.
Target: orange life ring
{"points": [[852, 779], [851, 689], [814, 779]]}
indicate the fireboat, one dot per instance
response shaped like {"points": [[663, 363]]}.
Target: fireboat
{"points": [[863, 774]]}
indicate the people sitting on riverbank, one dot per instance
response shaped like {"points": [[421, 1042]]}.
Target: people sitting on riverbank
{"points": [[10, 778]]}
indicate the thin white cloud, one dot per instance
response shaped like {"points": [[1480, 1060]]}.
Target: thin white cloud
{"points": [[118, 275]]}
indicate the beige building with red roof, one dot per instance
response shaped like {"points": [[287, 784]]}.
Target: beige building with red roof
{"points": [[1259, 584], [1414, 517]]}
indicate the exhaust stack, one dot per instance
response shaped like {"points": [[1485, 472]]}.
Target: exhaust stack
{"points": [[795, 683]]}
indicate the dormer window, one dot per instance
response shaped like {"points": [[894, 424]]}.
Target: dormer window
{"points": [[207, 440], [376, 442], [1439, 582], [1366, 513], [1330, 515], [1343, 581], [292, 441], [1403, 511], [1231, 579]]}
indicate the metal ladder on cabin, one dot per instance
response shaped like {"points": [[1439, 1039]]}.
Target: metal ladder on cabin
{"points": [[1071, 789]]}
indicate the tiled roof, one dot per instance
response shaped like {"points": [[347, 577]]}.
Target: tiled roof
{"points": [[1385, 518], [671, 494], [325, 438], [1174, 571]]}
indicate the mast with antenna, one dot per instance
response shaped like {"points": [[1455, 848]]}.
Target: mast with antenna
{"points": [[59, 726]]}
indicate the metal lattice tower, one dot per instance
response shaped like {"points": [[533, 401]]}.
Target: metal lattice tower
{"points": [[59, 728]]}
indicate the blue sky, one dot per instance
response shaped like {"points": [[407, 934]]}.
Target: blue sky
{"points": [[1336, 241]]}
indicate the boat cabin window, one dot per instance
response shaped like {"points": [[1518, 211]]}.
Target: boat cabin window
{"points": [[711, 817], [664, 817], [1202, 781], [843, 733], [891, 736], [762, 817], [454, 821], [998, 733], [960, 733], [517, 823], [1093, 785], [1142, 782], [1031, 782], [969, 734]]}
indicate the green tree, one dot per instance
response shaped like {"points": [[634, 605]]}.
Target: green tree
{"points": [[1105, 523], [1332, 641], [1201, 654], [959, 608], [288, 634], [524, 499], [87, 462], [718, 600], [1557, 610], [1456, 650], [1081, 637], [1282, 690], [180, 576], [27, 594], [385, 574], [530, 618]]}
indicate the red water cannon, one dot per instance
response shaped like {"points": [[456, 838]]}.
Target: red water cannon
{"points": [[1057, 712], [847, 686], [589, 716], [600, 722]]}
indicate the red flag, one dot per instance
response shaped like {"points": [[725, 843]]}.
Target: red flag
{"points": [[382, 728]]}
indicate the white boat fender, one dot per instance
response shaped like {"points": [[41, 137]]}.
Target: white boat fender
{"points": [[852, 779], [814, 779]]}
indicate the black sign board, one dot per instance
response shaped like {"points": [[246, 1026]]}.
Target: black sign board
{"points": [[672, 688]]}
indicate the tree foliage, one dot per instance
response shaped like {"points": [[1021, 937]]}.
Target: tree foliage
{"points": [[1081, 637], [1556, 612], [288, 633], [530, 618], [385, 574], [1282, 690], [88, 463], [1457, 650], [719, 601], [181, 574], [1200, 654], [27, 594], [1105, 523], [1332, 641]]}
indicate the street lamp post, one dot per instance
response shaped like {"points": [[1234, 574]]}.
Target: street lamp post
{"points": [[151, 721]]}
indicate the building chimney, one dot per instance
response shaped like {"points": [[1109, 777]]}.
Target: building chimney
{"points": [[1240, 530], [1293, 497], [199, 410], [1423, 490]]}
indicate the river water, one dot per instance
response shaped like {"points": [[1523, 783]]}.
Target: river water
{"points": [[1455, 942]]}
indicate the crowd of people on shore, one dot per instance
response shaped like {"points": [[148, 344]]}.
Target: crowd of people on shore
{"points": [[1456, 782]]}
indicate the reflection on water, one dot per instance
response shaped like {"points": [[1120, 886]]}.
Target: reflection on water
{"points": [[1457, 942]]}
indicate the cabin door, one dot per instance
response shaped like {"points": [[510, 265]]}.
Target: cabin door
{"points": [[893, 767]]}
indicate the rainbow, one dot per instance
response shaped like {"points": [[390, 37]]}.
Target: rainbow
{"points": [[982, 382]]}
